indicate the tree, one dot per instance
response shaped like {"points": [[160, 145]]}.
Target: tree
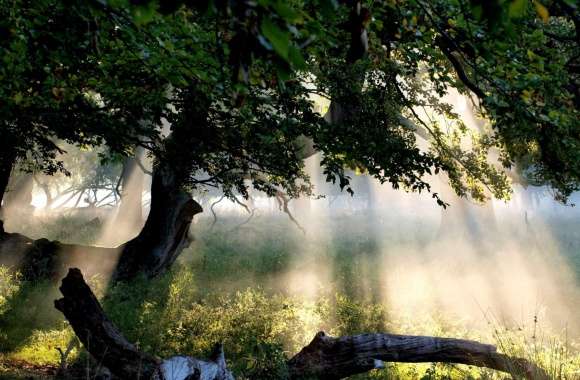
{"points": [[384, 85], [50, 85], [234, 82]]}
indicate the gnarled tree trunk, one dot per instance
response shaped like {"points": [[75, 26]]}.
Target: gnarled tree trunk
{"points": [[45, 259], [152, 252], [98, 333], [166, 231], [324, 358]]}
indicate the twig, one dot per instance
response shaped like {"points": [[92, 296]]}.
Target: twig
{"points": [[283, 206], [213, 211]]}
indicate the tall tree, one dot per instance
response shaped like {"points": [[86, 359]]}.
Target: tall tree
{"points": [[234, 80]]}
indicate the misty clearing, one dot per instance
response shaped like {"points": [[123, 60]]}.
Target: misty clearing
{"points": [[319, 189]]}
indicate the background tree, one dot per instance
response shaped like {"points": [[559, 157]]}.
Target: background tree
{"points": [[50, 80]]}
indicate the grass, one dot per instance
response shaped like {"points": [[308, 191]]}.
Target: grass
{"points": [[232, 287]]}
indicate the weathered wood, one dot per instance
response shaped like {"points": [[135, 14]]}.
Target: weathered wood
{"points": [[109, 347], [327, 357], [98, 334]]}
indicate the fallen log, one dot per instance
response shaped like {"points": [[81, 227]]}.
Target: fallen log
{"points": [[325, 357], [44, 259], [110, 348]]}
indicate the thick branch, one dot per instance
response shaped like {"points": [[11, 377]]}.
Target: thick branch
{"points": [[335, 358]]}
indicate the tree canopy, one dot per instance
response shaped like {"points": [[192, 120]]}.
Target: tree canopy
{"points": [[235, 83]]}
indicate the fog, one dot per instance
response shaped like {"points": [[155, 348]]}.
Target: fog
{"points": [[512, 262]]}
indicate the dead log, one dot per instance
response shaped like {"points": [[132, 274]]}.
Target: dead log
{"points": [[108, 346], [327, 357], [43, 259]]}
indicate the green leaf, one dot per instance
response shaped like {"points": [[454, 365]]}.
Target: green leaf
{"points": [[143, 14], [286, 12], [328, 8], [517, 8], [295, 58], [17, 98], [279, 39]]}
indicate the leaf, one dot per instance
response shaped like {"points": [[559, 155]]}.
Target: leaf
{"points": [[17, 97], [477, 11], [286, 12], [295, 58], [283, 72], [328, 8], [279, 39], [542, 11], [143, 14], [517, 8]]}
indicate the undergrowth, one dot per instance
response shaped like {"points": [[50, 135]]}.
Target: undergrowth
{"points": [[224, 290]]}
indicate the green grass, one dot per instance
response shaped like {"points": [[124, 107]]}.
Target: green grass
{"points": [[228, 288]]}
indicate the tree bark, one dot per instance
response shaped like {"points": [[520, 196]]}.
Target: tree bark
{"points": [[166, 231], [152, 252], [7, 161], [324, 358], [130, 211], [98, 334], [44, 259], [18, 196], [336, 358], [108, 346]]}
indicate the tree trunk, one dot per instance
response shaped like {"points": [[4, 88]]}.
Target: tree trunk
{"points": [[7, 161], [108, 345], [152, 252], [98, 334], [324, 358], [166, 231], [18, 196], [131, 208]]}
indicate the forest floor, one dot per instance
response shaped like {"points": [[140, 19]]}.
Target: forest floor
{"points": [[264, 288]]}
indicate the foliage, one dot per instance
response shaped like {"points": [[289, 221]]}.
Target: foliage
{"points": [[9, 284], [235, 82], [52, 81], [169, 316], [201, 302]]}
